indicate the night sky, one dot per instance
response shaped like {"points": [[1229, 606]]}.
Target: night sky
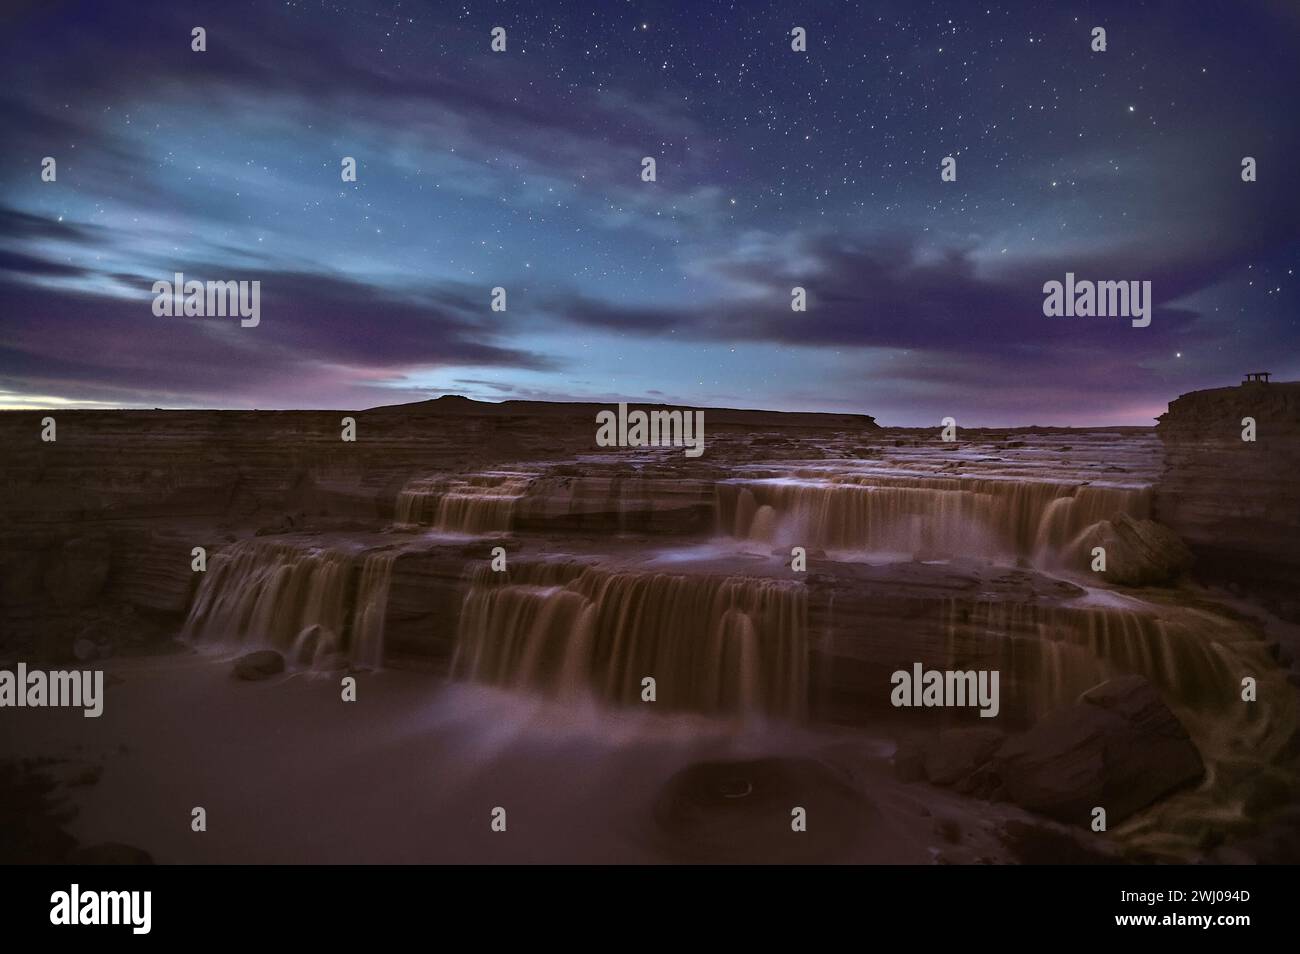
{"points": [[775, 168]]}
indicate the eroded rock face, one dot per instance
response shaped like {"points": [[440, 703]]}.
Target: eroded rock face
{"points": [[158, 576], [1237, 502], [78, 570]]}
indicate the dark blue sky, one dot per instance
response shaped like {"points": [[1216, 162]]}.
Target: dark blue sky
{"points": [[775, 168]]}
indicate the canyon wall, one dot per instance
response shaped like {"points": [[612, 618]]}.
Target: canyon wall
{"points": [[1237, 502]]}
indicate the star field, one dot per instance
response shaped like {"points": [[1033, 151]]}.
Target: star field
{"points": [[775, 168]]}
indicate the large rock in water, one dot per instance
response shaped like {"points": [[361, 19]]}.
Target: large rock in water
{"points": [[1138, 552], [1119, 748], [259, 665]]}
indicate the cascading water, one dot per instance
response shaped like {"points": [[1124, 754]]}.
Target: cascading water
{"points": [[920, 515], [476, 503], [1057, 652], [296, 599], [372, 609], [712, 644], [1195, 658]]}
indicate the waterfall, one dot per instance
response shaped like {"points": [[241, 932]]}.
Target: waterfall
{"points": [[372, 609], [1195, 658], [928, 517], [475, 503], [1054, 653], [297, 599], [712, 644]]}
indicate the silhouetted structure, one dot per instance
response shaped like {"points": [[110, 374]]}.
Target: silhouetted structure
{"points": [[1257, 377]]}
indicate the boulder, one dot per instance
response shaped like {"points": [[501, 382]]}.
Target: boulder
{"points": [[259, 665], [1119, 748], [1138, 552], [958, 754]]}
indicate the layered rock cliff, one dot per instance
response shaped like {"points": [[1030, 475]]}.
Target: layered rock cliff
{"points": [[1236, 501]]}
